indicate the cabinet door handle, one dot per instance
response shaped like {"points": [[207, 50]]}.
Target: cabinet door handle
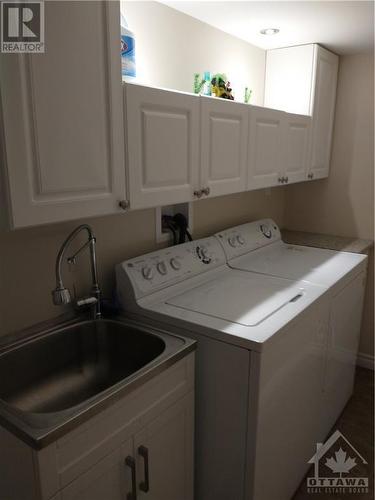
{"points": [[280, 179], [206, 191], [287, 179], [144, 485], [198, 194], [130, 462]]}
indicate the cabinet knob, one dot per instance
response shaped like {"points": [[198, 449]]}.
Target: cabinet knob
{"points": [[124, 204], [280, 179], [206, 191], [286, 179], [198, 193]]}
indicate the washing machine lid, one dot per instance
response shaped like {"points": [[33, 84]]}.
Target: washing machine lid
{"points": [[243, 298], [295, 262]]}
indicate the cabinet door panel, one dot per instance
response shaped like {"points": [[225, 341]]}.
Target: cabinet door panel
{"points": [[266, 147], [108, 479], [63, 120], [163, 146], [169, 441], [297, 147], [324, 111], [223, 146]]}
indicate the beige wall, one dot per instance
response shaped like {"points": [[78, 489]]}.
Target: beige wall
{"points": [[343, 204], [171, 47], [27, 256]]}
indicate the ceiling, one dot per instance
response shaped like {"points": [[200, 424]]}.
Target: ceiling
{"points": [[345, 27]]}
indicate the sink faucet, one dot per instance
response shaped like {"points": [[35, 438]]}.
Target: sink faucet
{"points": [[61, 295]]}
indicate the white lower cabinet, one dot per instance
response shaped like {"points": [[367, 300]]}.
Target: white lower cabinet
{"points": [[109, 479], [139, 447], [155, 464], [164, 450]]}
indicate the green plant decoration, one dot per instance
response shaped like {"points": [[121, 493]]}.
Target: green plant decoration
{"points": [[198, 83], [247, 95]]}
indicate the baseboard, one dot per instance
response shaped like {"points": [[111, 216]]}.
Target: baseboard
{"points": [[365, 361]]}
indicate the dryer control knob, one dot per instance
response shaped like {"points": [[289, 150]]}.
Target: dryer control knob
{"points": [[204, 251], [240, 240], [232, 241], [161, 267], [147, 272], [175, 264]]}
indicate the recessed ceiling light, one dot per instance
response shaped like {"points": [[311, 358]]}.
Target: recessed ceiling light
{"points": [[269, 31]]}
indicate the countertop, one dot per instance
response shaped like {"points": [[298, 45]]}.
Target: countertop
{"points": [[331, 242]]}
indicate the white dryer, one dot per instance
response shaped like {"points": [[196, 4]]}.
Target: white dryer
{"points": [[257, 247], [260, 359]]}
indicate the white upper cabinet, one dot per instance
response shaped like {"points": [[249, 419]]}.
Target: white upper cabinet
{"points": [[297, 143], [224, 136], [162, 145], [266, 147], [303, 80], [289, 79], [63, 119], [326, 67]]}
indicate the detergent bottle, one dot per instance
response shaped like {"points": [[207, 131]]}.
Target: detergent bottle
{"points": [[128, 66]]}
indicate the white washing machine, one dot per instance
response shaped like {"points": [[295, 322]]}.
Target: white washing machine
{"points": [[258, 247], [260, 359]]}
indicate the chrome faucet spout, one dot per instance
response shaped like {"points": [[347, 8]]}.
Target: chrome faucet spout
{"points": [[60, 294]]}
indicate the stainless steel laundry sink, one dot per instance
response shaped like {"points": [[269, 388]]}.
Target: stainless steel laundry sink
{"points": [[65, 374]]}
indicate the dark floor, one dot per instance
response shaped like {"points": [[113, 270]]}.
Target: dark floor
{"points": [[357, 424]]}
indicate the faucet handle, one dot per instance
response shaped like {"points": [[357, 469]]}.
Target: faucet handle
{"points": [[61, 296], [87, 301]]}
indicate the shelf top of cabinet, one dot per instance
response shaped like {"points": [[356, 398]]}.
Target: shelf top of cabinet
{"points": [[213, 98]]}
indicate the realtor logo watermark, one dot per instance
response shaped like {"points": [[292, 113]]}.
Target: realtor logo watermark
{"points": [[22, 27], [338, 468]]}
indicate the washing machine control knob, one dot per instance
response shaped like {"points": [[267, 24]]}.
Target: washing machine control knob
{"points": [[161, 267], [147, 272], [204, 251], [175, 263]]}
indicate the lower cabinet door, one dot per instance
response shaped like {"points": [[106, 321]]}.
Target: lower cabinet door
{"points": [[109, 479], [164, 451]]}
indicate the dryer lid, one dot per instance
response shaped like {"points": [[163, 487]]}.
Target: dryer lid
{"points": [[243, 298], [315, 265]]}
